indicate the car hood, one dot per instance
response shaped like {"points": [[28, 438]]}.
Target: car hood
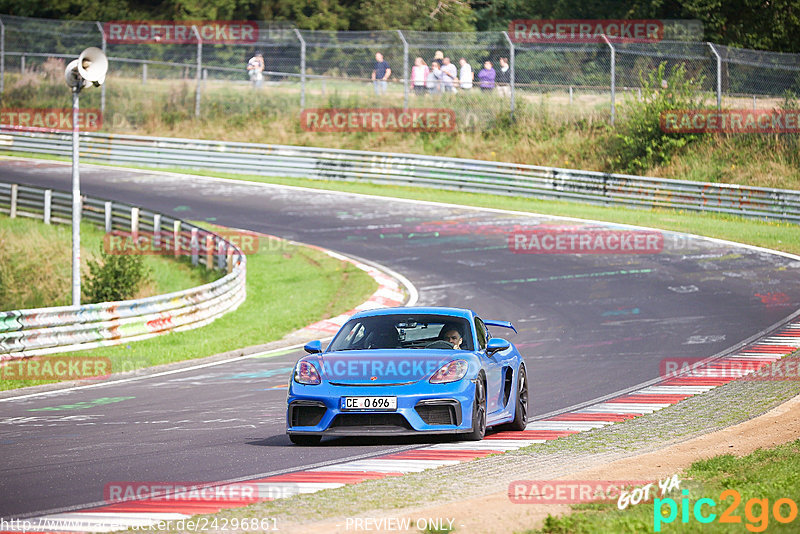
{"points": [[384, 366]]}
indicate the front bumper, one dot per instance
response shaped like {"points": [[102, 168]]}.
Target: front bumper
{"points": [[422, 407]]}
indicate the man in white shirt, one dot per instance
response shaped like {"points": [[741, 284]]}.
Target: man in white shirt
{"points": [[465, 75], [449, 76]]}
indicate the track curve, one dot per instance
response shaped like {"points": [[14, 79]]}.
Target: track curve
{"points": [[589, 325]]}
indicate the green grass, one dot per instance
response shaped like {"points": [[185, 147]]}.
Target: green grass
{"points": [[288, 287], [770, 474], [36, 265]]}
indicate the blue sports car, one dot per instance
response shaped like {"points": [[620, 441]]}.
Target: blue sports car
{"points": [[401, 371]]}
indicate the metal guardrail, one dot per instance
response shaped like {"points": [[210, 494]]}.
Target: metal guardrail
{"points": [[33, 332], [409, 169]]}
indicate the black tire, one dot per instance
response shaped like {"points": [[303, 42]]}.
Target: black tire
{"points": [[521, 411], [304, 439], [478, 413]]}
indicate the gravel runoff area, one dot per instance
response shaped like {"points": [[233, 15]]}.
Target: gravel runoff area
{"points": [[448, 489]]}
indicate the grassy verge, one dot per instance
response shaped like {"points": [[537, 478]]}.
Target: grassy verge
{"points": [[36, 265], [288, 287], [549, 128], [765, 476]]}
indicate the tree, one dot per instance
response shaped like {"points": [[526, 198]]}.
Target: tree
{"points": [[422, 15]]}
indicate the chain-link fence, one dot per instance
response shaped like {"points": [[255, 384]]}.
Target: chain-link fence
{"points": [[208, 80]]}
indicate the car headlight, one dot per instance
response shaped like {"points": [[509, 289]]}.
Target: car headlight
{"points": [[306, 373], [450, 372]]}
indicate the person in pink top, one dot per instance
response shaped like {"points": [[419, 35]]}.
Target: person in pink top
{"points": [[419, 75]]}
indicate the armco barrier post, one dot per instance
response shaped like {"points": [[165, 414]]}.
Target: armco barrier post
{"points": [[302, 69], [107, 211], [210, 249], [176, 234], [194, 247], [135, 223], [157, 231], [48, 203], [13, 207], [221, 249]]}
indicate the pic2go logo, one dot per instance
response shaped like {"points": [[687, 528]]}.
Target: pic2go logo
{"points": [[665, 511]]}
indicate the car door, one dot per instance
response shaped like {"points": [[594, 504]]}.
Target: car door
{"points": [[493, 367]]}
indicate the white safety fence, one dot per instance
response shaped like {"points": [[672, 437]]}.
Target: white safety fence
{"points": [[25, 333]]}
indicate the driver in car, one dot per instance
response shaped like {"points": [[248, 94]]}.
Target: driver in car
{"points": [[453, 336]]}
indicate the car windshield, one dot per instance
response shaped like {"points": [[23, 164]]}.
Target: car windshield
{"points": [[404, 332]]}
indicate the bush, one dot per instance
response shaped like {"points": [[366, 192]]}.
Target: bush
{"points": [[640, 143], [115, 277]]}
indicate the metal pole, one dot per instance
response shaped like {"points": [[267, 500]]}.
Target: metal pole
{"points": [[511, 53], [405, 69], [613, 79], [198, 74], [302, 69], [2, 56], [102, 87], [719, 75], [76, 203]]}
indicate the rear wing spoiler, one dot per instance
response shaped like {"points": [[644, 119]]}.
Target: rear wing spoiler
{"points": [[502, 324]]}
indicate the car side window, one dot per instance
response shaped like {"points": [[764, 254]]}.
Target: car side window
{"points": [[480, 331]]}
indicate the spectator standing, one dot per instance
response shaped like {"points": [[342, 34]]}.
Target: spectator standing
{"points": [[438, 57], [487, 76], [380, 74], [255, 69], [449, 76], [434, 84], [419, 76], [465, 76], [504, 78]]}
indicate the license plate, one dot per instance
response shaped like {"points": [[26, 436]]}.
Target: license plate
{"points": [[369, 403]]}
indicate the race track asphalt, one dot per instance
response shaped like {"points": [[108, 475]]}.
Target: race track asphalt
{"points": [[589, 325]]}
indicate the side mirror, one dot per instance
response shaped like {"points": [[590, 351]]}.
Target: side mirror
{"points": [[496, 344], [313, 347]]}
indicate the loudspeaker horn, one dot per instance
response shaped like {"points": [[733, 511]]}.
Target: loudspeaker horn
{"points": [[71, 75], [93, 65]]}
